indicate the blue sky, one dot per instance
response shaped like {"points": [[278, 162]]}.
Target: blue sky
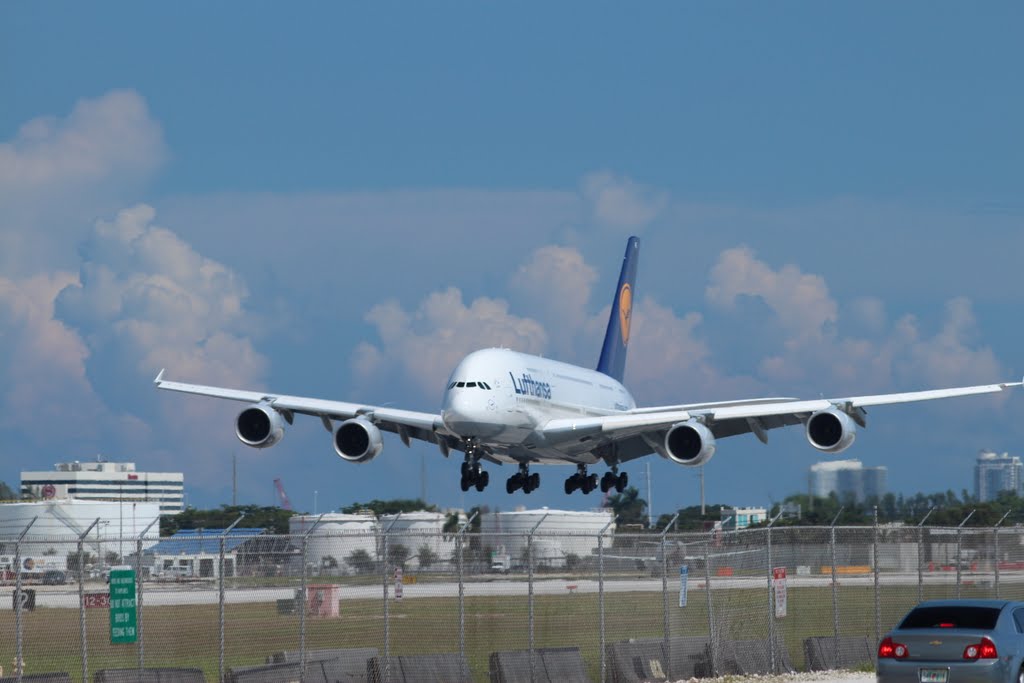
{"points": [[339, 200]]}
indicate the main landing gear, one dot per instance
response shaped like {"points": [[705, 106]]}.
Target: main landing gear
{"points": [[472, 473], [581, 480], [522, 480], [587, 483]]}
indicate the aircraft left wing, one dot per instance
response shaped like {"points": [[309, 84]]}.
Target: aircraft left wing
{"points": [[406, 423], [739, 417]]}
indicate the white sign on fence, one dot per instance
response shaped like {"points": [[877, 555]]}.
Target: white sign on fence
{"points": [[683, 573], [779, 582], [398, 583]]}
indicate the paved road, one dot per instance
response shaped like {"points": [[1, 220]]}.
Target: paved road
{"points": [[206, 594]]}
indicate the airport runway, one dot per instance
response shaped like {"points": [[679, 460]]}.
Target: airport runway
{"points": [[207, 593]]}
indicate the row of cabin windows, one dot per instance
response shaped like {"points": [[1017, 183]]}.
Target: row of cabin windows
{"points": [[470, 385]]}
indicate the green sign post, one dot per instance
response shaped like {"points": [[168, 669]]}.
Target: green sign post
{"points": [[122, 606]]}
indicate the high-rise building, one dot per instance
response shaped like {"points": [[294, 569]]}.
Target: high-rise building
{"points": [[994, 473], [107, 481], [847, 479]]}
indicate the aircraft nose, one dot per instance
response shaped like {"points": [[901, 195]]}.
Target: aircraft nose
{"points": [[459, 413]]}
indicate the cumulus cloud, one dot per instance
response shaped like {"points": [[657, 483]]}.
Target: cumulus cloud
{"points": [[620, 203], [555, 284], [108, 135], [151, 299], [426, 344], [800, 301]]}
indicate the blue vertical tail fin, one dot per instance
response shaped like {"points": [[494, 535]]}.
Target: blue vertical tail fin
{"points": [[616, 339]]}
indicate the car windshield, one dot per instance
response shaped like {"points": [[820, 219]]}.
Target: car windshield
{"points": [[952, 616]]}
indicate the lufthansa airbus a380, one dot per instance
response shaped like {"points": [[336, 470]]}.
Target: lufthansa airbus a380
{"points": [[501, 406]]}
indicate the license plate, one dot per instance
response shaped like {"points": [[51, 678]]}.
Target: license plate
{"points": [[934, 675]]}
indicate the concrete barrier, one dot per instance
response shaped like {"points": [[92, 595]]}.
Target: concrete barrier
{"points": [[823, 653], [749, 657], [551, 665], [154, 675], [439, 668], [267, 673], [62, 677], [360, 654], [632, 661]]}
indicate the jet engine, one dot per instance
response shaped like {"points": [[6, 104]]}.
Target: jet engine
{"points": [[357, 440], [832, 430], [259, 426], [689, 443]]}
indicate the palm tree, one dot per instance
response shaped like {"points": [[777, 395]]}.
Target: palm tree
{"points": [[629, 507]]}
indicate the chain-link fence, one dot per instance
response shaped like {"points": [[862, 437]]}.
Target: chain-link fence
{"points": [[388, 606]]}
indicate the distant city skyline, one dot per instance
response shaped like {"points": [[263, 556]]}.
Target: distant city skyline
{"points": [[847, 479], [995, 473]]}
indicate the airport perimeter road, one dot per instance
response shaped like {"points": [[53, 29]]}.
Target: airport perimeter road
{"points": [[207, 593]]}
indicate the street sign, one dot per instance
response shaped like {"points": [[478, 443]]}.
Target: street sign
{"points": [[96, 600], [122, 606], [683, 574], [779, 582]]}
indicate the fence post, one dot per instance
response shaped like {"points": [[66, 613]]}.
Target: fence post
{"points": [[920, 555], [712, 636], [835, 586], [874, 561], [529, 578], [138, 595], [81, 599], [302, 592], [462, 595], [995, 552], [220, 597], [16, 566], [664, 598], [959, 533], [600, 596], [385, 564], [771, 599]]}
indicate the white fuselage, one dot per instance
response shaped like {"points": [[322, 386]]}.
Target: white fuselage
{"points": [[521, 393]]}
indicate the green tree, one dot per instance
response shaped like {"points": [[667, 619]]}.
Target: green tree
{"points": [[629, 508], [398, 555], [271, 518], [389, 507], [426, 556], [7, 493], [360, 561]]}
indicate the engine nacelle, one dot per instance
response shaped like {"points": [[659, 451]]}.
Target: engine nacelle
{"points": [[689, 443], [357, 440], [259, 426], [831, 431]]}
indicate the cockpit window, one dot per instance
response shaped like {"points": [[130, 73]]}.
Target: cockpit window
{"points": [[460, 384], [452, 385], [485, 385], [470, 385]]}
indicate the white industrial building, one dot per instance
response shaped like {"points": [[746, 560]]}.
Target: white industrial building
{"points": [[560, 533], [847, 479], [60, 521], [107, 481], [336, 537]]}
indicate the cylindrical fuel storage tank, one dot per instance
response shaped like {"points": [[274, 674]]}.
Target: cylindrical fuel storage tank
{"points": [[560, 534], [59, 523], [417, 530], [339, 541]]}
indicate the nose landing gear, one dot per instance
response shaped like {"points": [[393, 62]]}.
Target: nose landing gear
{"points": [[472, 474], [523, 480]]}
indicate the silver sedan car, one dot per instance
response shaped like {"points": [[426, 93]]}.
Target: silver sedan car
{"points": [[955, 641]]}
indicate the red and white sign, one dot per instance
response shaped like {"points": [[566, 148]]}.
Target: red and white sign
{"points": [[779, 583], [49, 491], [99, 600]]}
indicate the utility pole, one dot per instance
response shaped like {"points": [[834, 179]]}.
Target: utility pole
{"points": [[702, 510], [234, 479], [650, 501]]}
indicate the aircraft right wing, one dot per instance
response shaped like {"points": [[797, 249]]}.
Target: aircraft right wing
{"points": [[730, 418]]}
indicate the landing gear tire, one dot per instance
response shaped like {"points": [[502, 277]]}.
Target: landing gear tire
{"points": [[473, 475], [464, 483], [570, 485], [607, 482], [621, 482], [482, 480]]}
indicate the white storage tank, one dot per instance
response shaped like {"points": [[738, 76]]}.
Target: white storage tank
{"points": [[59, 523], [414, 530], [336, 538], [562, 533]]}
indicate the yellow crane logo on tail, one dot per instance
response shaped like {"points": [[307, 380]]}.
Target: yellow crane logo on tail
{"points": [[625, 311]]}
